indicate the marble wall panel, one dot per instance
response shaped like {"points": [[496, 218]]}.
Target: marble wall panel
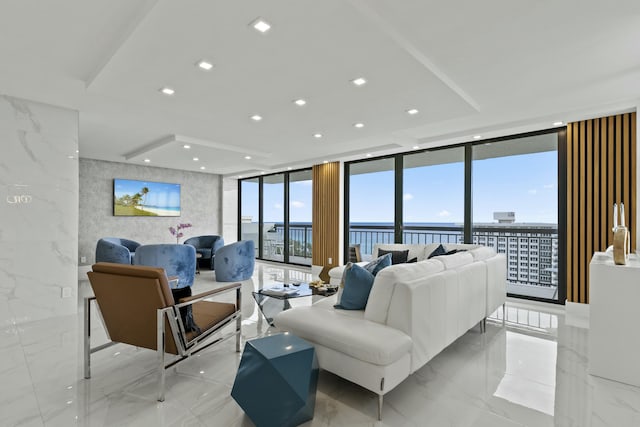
{"points": [[200, 205], [39, 209]]}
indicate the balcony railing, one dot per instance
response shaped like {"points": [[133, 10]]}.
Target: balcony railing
{"points": [[300, 238], [532, 252]]}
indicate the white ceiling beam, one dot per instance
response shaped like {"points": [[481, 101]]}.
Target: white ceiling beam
{"points": [[117, 44], [366, 10]]}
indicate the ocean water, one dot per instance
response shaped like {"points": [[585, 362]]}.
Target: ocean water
{"points": [[166, 208]]}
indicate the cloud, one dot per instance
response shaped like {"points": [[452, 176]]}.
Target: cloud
{"points": [[277, 206], [407, 196], [444, 213], [297, 204], [549, 185], [533, 191]]}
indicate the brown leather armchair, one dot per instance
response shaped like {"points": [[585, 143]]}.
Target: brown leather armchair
{"points": [[138, 308]]}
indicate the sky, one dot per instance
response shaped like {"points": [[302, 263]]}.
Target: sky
{"points": [[160, 194], [525, 184]]}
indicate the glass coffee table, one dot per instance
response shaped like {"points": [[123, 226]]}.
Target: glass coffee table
{"points": [[271, 305]]}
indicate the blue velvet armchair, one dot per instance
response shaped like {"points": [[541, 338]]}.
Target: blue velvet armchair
{"points": [[235, 262], [177, 260], [206, 246], [115, 249]]}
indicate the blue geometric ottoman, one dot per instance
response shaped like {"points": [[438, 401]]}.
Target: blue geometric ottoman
{"points": [[276, 381]]}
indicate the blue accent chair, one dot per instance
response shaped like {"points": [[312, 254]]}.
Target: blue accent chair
{"points": [[177, 260], [235, 262], [115, 249], [206, 246]]}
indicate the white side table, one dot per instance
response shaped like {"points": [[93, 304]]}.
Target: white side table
{"points": [[614, 305]]}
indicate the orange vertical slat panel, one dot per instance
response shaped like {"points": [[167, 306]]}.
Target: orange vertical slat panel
{"points": [[597, 206], [569, 231], [632, 187], [576, 211]]}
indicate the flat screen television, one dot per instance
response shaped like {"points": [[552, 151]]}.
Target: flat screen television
{"points": [[145, 198]]}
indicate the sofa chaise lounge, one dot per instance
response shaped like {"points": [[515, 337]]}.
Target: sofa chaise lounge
{"points": [[414, 311]]}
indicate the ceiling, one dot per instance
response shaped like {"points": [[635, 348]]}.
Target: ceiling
{"points": [[471, 68]]}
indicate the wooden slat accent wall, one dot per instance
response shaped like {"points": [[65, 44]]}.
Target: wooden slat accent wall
{"points": [[601, 170], [326, 217]]}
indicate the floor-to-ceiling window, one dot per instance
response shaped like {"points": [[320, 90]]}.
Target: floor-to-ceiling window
{"points": [[515, 210], [275, 212], [502, 193], [433, 196], [371, 207]]}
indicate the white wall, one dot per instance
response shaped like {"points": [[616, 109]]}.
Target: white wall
{"points": [[200, 205], [38, 210]]}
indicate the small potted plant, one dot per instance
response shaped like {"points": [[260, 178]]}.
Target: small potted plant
{"points": [[176, 231]]}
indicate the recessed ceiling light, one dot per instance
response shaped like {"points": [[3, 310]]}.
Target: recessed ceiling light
{"points": [[358, 125], [412, 111], [147, 160], [477, 136], [256, 118], [261, 25], [205, 65], [239, 176], [186, 146], [70, 157], [167, 91], [325, 161], [202, 168], [317, 135], [416, 147], [558, 123], [289, 168], [359, 81], [195, 159], [300, 102], [368, 154], [262, 173], [247, 157], [77, 151]]}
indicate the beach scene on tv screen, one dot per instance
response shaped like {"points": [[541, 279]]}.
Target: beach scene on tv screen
{"points": [[143, 198]]}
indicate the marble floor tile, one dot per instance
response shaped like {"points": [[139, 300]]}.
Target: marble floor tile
{"points": [[531, 371]]}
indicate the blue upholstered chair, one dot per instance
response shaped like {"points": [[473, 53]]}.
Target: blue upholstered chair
{"points": [[115, 249], [177, 260], [206, 246], [235, 262]]}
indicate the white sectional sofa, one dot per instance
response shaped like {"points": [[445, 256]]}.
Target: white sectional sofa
{"points": [[414, 311]]}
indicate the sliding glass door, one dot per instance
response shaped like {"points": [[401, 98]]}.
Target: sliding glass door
{"points": [[371, 203], [433, 196], [300, 217], [273, 217], [515, 210], [275, 212]]}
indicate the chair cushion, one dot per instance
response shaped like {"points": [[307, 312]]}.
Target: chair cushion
{"points": [[208, 313]]}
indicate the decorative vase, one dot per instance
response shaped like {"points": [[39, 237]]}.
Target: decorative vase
{"points": [[621, 242]]}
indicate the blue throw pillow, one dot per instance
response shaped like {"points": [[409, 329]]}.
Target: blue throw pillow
{"points": [[440, 250], [357, 286], [379, 263]]}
